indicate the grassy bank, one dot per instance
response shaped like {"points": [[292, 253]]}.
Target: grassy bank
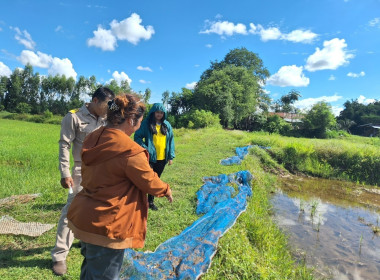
{"points": [[253, 249], [352, 158], [43, 118]]}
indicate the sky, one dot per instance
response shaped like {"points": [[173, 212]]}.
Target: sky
{"points": [[328, 50]]}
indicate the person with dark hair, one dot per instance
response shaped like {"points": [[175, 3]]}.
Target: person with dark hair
{"points": [[156, 135], [76, 125], [110, 213]]}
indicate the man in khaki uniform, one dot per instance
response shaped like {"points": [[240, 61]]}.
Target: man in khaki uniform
{"points": [[76, 125]]}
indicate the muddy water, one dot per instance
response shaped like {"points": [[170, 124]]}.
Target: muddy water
{"points": [[332, 226]]}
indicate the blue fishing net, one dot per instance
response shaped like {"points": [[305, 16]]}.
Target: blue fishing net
{"points": [[188, 255], [241, 152]]}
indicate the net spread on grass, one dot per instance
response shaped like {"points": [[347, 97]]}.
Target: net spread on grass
{"points": [[241, 152], [188, 255], [9, 225], [23, 198]]}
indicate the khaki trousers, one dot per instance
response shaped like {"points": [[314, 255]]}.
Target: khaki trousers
{"points": [[65, 236]]}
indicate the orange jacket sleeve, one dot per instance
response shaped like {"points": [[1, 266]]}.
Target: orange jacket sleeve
{"points": [[143, 177]]}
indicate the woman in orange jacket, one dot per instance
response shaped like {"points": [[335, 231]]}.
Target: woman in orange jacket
{"points": [[110, 213]]}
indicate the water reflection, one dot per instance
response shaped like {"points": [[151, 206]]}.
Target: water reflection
{"points": [[337, 239]]}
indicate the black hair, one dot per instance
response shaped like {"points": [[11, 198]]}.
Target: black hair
{"points": [[152, 124], [102, 93]]}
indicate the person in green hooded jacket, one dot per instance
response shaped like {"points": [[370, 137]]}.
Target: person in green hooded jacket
{"points": [[156, 136]]}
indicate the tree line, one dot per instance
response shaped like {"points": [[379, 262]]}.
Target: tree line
{"points": [[229, 94]]}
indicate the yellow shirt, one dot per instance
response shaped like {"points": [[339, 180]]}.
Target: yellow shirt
{"points": [[159, 141]]}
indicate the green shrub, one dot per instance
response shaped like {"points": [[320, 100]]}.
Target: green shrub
{"points": [[23, 108], [199, 119], [36, 119], [48, 114], [275, 124]]}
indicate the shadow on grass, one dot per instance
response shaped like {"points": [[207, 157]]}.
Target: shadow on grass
{"points": [[35, 257], [48, 207], [16, 258]]}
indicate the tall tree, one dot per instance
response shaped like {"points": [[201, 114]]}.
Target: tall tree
{"points": [[147, 95], [165, 98], [285, 103], [3, 89], [14, 91], [231, 92], [233, 89], [319, 119], [360, 114], [240, 57], [181, 103]]}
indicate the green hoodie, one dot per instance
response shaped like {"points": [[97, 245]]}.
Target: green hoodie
{"points": [[144, 136]]}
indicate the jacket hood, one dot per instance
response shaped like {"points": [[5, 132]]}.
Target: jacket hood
{"points": [[157, 107], [107, 143]]}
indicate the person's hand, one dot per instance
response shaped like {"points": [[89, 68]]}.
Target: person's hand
{"points": [[170, 198], [67, 182], [170, 162]]}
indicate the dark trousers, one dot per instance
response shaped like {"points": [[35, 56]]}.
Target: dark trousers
{"points": [[100, 263], [157, 167]]}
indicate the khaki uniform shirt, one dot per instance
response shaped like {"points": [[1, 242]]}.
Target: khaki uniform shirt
{"points": [[76, 125]]}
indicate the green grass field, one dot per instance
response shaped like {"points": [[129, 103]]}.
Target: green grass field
{"points": [[253, 249]]}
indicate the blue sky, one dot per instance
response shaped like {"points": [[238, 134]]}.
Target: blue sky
{"points": [[327, 50]]}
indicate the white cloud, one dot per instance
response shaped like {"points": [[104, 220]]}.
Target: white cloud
{"points": [[289, 76], [374, 22], [62, 67], [55, 65], [119, 77], [24, 38], [309, 102], [131, 29], [141, 68], [38, 59], [300, 36], [191, 85], [144, 82], [103, 39], [273, 33], [332, 78], [1, 29], [333, 55], [224, 28], [4, 70], [336, 110], [266, 91], [58, 28], [208, 46], [356, 75], [196, 65], [363, 100]]}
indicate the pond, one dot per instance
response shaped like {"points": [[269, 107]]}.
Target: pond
{"points": [[332, 225]]}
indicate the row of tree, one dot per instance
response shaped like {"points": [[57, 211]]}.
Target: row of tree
{"points": [[28, 92], [229, 94]]}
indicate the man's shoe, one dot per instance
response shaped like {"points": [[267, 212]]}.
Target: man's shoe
{"points": [[153, 207], [59, 268]]}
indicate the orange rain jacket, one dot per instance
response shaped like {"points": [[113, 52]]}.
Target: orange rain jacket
{"points": [[111, 210]]}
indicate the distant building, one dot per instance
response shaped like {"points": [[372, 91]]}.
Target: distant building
{"points": [[370, 130], [288, 117]]}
